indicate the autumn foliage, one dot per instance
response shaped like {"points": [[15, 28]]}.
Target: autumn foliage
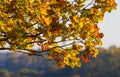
{"points": [[66, 32]]}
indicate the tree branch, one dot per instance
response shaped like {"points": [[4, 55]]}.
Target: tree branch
{"points": [[85, 6], [36, 54], [88, 4], [70, 40], [60, 46], [4, 39], [32, 25], [5, 49]]}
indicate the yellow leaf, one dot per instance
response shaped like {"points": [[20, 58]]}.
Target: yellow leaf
{"points": [[2, 28], [55, 44], [9, 29], [44, 9], [29, 46], [53, 2], [66, 60], [80, 25], [75, 18], [47, 20], [31, 1]]}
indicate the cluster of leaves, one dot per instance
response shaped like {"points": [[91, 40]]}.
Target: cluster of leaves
{"points": [[65, 31]]}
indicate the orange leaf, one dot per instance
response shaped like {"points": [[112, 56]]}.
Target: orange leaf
{"points": [[85, 59], [45, 46], [112, 2], [100, 35]]}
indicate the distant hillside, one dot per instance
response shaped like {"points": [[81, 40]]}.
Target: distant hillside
{"points": [[107, 64]]}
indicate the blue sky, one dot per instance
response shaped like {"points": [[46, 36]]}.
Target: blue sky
{"points": [[111, 27]]}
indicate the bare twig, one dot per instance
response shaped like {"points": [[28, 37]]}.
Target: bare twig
{"points": [[5, 49], [85, 6], [4, 39], [32, 25]]}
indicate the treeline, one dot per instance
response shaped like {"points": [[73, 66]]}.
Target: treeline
{"points": [[107, 64]]}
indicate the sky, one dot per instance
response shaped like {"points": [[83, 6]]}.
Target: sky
{"points": [[110, 26]]}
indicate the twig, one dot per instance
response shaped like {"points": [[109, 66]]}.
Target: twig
{"points": [[85, 6]]}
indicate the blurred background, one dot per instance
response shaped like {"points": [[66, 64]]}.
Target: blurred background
{"points": [[107, 64]]}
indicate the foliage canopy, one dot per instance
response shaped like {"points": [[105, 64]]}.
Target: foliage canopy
{"points": [[65, 31]]}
